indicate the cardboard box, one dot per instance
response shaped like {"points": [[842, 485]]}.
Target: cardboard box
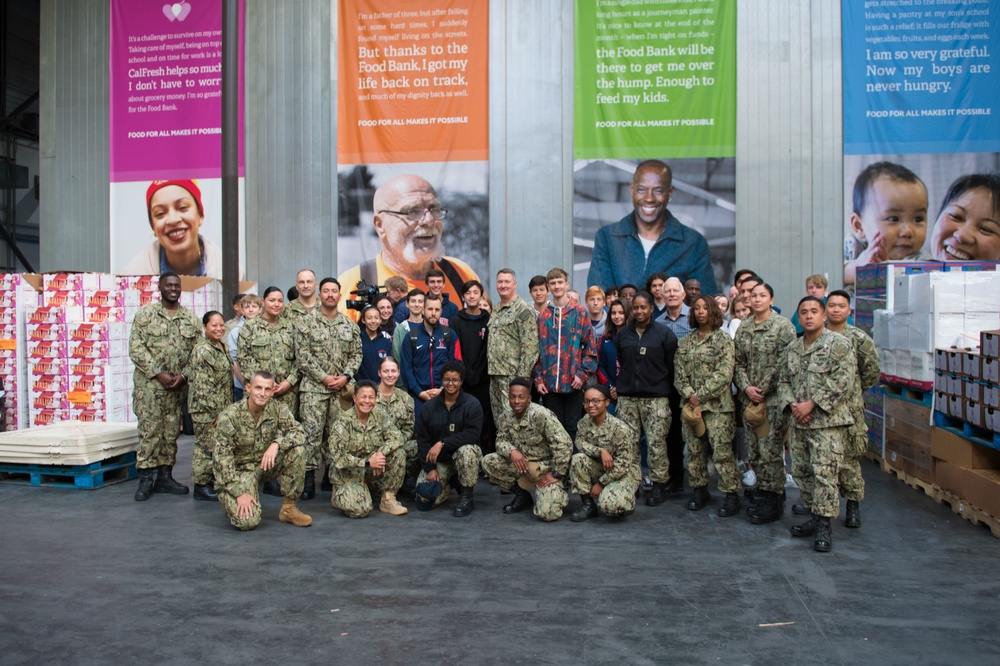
{"points": [[991, 419], [42, 383], [940, 381], [957, 450], [989, 343], [970, 365], [955, 362], [974, 413], [956, 406], [922, 368], [956, 386], [991, 396], [47, 315], [981, 291], [949, 330], [980, 488], [990, 370], [908, 438], [972, 390], [944, 291]]}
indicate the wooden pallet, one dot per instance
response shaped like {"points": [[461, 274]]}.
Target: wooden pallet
{"points": [[95, 475], [910, 480], [967, 511]]}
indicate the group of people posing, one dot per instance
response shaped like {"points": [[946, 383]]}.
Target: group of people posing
{"points": [[543, 404]]}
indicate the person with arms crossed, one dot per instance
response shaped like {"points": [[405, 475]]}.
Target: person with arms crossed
{"points": [[211, 391]]}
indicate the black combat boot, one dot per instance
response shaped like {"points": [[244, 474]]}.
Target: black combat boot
{"points": [[657, 495], [145, 489], [205, 492], [309, 487], [805, 529], [801, 510], [272, 487], [699, 500], [326, 485], [465, 502], [853, 514], [522, 501], [768, 510], [674, 486], [824, 536], [730, 505], [165, 482], [586, 511]]}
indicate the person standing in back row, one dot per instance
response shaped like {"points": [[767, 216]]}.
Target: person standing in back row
{"points": [[163, 336], [512, 344]]}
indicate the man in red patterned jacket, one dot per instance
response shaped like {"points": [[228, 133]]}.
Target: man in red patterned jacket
{"points": [[567, 353]]}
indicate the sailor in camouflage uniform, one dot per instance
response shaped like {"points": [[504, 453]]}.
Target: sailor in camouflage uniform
{"points": [[815, 391], [258, 439], [211, 391], [365, 454], [703, 373], [605, 473], [760, 344], [512, 345], [307, 303], [267, 343], [852, 484], [533, 451], [163, 335], [328, 351], [396, 406]]}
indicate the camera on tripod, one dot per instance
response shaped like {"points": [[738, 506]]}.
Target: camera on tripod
{"points": [[365, 295]]}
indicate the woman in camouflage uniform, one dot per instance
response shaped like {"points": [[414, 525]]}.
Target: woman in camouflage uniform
{"points": [[703, 372], [267, 343], [397, 410], [210, 392]]}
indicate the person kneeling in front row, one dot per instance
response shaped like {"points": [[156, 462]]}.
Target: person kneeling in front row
{"points": [[448, 431], [533, 451], [258, 439], [605, 474], [366, 453]]}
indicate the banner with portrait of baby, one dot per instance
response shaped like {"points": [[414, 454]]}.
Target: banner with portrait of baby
{"points": [[654, 81], [166, 136], [921, 85], [412, 141]]}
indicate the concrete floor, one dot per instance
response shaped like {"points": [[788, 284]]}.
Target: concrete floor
{"points": [[92, 577]]}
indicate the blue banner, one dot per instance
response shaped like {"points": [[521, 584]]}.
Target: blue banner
{"points": [[921, 76]]}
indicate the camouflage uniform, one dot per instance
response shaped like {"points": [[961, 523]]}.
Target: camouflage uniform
{"points": [[240, 443], [852, 484], [210, 391], [348, 448], [464, 464], [540, 438], [759, 357], [618, 496], [704, 366], [398, 411], [511, 348], [271, 348], [294, 311], [824, 373], [323, 347], [160, 341], [652, 416]]}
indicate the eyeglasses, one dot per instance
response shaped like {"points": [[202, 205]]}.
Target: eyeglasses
{"points": [[451, 380], [415, 215], [594, 401]]}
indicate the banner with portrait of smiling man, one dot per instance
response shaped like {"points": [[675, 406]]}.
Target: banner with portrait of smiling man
{"points": [[412, 141]]}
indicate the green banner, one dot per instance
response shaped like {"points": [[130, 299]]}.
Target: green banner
{"points": [[655, 78]]}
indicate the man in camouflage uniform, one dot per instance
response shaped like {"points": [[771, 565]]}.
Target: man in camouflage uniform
{"points": [[512, 345], [760, 344], [365, 453], [270, 347], [605, 473], [448, 432], [815, 390], [328, 351], [533, 451], [163, 336], [306, 304], [852, 484], [258, 439]]}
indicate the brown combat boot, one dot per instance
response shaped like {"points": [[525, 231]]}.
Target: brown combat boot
{"points": [[290, 514], [391, 505]]}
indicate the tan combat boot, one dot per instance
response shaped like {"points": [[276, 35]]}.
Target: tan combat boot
{"points": [[290, 514], [391, 505]]}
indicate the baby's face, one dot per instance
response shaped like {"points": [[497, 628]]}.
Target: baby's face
{"points": [[898, 211], [968, 229]]}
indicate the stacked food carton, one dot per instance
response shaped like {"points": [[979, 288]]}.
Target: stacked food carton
{"points": [[19, 295]]}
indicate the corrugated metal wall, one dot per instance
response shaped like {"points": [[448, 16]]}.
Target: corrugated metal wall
{"points": [[73, 125], [789, 212], [789, 173]]}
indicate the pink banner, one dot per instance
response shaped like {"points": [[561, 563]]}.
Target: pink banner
{"points": [[166, 89]]}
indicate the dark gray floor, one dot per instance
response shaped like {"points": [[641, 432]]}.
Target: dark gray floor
{"points": [[94, 577]]}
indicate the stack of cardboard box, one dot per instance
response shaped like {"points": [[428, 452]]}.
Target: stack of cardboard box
{"points": [[19, 294]]}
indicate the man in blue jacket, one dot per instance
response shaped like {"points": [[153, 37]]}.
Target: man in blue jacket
{"points": [[428, 348], [649, 239]]}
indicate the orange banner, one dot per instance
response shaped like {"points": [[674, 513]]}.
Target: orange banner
{"points": [[413, 81]]}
